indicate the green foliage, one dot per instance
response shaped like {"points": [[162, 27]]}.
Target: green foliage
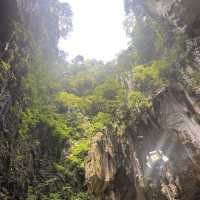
{"points": [[55, 196], [58, 124], [101, 120], [79, 148], [159, 34], [4, 66], [31, 195], [110, 90], [148, 39], [52, 196], [82, 78], [70, 100], [107, 96], [59, 168], [78, 151], [137, 101], [83, 82], [148, 78], [4, 71], [195, 79], [29, 120], [80, 196]]}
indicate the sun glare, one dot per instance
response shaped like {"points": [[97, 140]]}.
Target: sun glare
{"points": [[97, 29]]}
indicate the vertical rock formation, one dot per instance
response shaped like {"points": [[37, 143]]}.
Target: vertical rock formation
{"points": [[109, 169], [182, 13], [116, 167], [120, 163], [25, 162]]}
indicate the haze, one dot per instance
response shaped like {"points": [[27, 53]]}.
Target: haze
{"points": [[97, 29]]}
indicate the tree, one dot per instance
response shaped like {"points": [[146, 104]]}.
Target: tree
{"points": [[51, 21], [148, 78], [79, 59]]}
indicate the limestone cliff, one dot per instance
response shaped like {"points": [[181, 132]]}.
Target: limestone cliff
{"points": [[24, 163], [182, 13], [117, 164]]}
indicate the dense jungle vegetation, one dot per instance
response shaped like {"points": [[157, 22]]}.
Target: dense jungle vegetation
{"points": [[50, 108]]}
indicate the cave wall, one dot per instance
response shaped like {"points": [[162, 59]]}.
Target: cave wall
{"points": [[183, 14], [116, 167], [25, 162], [8, 13], [171, 125]]}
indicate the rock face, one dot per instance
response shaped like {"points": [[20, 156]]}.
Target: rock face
{"points": [[25, 163], [108, 171], [172, 128], [116, 167], [183, 14]]}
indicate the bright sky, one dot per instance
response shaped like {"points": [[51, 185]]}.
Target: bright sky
{"points": [[97, 29]]}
